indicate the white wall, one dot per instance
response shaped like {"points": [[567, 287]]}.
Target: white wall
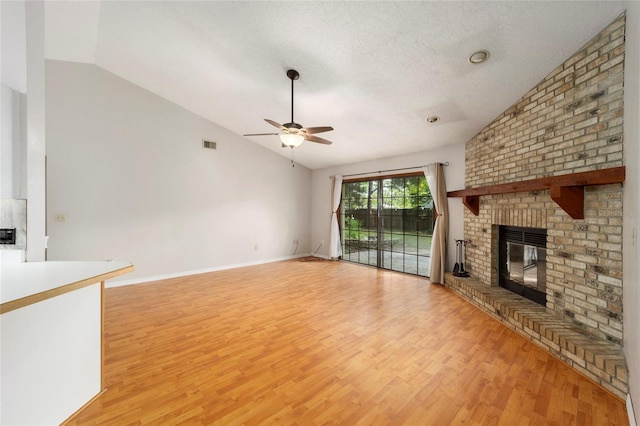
{"points": [[11, 143], [13, 79], [13, 39], [128, 179], [454, 176], [631, 295]]}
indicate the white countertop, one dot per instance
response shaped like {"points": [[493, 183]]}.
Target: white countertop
{"points": [[19, 280]]}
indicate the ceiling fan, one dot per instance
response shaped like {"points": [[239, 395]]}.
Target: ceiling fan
{"points": [[293, 134]]}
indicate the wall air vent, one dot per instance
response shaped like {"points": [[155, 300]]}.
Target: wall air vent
{"points": [[208, 144]]}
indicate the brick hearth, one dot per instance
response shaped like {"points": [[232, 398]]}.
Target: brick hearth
{"points": [[600, 360]]}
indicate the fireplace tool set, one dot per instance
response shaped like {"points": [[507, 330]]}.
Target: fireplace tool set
{"points": [[458, 268]]}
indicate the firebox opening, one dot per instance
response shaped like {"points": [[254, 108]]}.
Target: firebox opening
{"points": [[522, 262]]}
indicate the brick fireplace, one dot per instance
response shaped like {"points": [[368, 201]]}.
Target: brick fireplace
{"points": [[571, 122]]}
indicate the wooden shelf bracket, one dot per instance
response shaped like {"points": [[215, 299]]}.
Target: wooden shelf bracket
{"points": [[570, 199], [566, 190], [473, 203]]}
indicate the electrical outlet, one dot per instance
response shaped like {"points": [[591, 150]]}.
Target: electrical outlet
{"points": [[60, 217], [255, 247], [322, 242]]}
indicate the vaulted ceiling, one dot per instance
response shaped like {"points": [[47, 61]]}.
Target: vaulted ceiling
{"points": [[372, 70]]}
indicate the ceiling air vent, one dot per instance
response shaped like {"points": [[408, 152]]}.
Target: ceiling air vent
{"points": [[208, 144]]}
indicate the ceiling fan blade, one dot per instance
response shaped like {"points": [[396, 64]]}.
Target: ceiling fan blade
{"points": [[274, 124], [312, 138], [311, 130], [262, 134]]}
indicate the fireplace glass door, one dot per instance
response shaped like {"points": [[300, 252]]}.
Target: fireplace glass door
{"points": [[523, 262]]}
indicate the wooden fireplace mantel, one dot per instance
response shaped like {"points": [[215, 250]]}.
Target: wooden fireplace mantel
{"points": [[566, 190]]}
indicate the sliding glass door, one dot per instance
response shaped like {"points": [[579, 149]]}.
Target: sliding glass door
{"points": [[388, 222]]}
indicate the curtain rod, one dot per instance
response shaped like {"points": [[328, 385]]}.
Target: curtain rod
{"points": [[389, 170]]}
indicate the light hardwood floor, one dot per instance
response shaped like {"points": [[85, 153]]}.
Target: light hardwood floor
{"points": [[312, 343]]}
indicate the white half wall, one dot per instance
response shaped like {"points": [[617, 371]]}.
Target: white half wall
{"points": [[50, 361], [454, 176], [128, 179], [631, 294]]}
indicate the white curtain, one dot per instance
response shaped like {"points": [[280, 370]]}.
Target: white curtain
{"points": [[335, 246], [435, 179]]}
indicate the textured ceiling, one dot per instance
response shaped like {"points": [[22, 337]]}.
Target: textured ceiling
{"points": [[372, 70]]}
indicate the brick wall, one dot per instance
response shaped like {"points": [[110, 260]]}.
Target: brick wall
{"points": [[570, 122]]}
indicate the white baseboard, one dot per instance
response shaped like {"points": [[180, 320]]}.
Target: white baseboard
{"points": [[141, 280], [630, 412]]}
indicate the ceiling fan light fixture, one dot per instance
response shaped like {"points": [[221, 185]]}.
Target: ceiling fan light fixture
{"points": [[291, 139], [479, 57]]}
